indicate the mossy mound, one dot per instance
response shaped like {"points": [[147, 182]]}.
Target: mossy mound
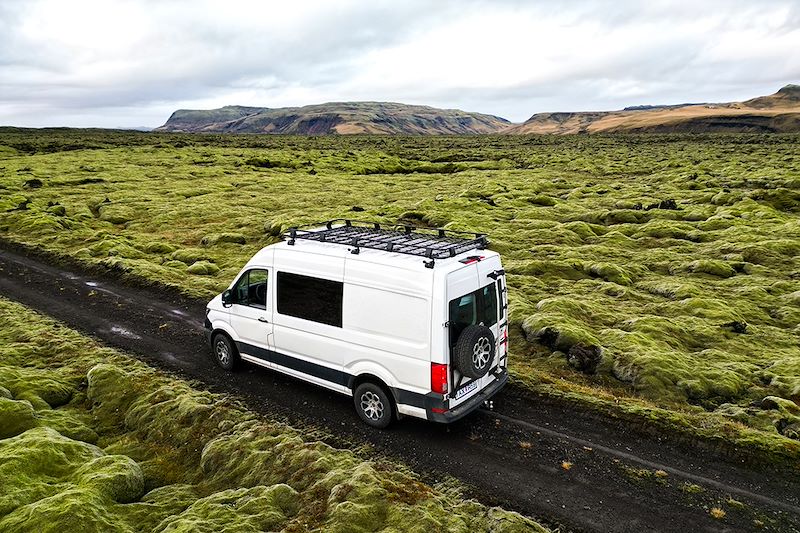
{"points": [[111, 246], [42, 388], [237, 510], [711, 267], [16, 416], [542, 200], [202, 268], [189, 256], [159, 248], [609, 272], [117, 214], [219, 238]]}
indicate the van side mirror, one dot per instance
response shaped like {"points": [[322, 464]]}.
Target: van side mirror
{"points": [[227, 298]]}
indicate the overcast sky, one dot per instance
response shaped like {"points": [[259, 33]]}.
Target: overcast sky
{"points": [[131, 63]]}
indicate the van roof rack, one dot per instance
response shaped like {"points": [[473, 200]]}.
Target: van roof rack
{"points": [[430, 243]]}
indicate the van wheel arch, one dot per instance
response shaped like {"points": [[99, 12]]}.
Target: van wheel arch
{"points": [[372, 378]]}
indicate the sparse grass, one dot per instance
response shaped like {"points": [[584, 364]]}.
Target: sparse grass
{"points": [[645, 474], [717, 513], [656, 275], [736, 504], [93, 440], [691, 488]]}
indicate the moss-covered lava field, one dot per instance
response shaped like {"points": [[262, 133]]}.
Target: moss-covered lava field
{"points": [[92, 440], [659, 272]]}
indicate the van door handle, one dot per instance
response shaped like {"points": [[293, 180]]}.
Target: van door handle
{"points": [[262, 319]]}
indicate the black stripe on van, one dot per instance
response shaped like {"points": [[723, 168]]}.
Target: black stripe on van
{"points": [[338, 377]]}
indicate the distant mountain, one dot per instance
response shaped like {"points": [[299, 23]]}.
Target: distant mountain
{"points": [[776, 113], [335, 117]]}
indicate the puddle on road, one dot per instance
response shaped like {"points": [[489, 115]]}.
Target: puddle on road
{"points": [[122, 332]]}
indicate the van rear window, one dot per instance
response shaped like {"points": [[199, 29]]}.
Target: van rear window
{"points": [[309, 298], [478, 307]]}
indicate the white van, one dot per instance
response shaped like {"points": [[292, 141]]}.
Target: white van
{"points": [[408, 321]]}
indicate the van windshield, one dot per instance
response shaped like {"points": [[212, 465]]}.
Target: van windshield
{"points": [[477, 307]]}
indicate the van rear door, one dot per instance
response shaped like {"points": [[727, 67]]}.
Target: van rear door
{"points": [[472, 299]]}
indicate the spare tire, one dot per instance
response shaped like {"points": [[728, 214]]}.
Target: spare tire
{"points": [[474, 351]]}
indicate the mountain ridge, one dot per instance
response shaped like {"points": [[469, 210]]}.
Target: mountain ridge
{"points": [[389, 118], [775, 113]]}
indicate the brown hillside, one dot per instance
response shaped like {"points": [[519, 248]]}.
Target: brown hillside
{"points": [[776, 113]]}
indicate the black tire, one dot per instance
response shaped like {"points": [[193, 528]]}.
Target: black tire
{"points": [[373, 405], [224, 352], [474, 351]]}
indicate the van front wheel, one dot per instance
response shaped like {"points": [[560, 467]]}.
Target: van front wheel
{"points": [[224, 352], [373, 405]]}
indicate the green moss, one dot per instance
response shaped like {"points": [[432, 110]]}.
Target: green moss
{"points": [[583, 230], [217, 238], [237, 510], [203, 268], [58, 210], [276, 227], [110, 246], [117, 214], [665, 229], [189, 256], [171, 458], [712, 267], [42, 388], [542, 200], [37, 464], [610, 272], [159, 248], [116, 476], [16, 416]]}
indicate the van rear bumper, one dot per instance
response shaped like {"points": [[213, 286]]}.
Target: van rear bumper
{"points": [[470, 405]]}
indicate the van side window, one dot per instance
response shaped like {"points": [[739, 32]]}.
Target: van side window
{"points": [[251, 290], [315, 299]]}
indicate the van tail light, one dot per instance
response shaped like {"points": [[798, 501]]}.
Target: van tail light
{"points": [[439, 378]]}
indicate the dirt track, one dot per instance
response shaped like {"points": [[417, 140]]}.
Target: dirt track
{"points": [[601, 491]]}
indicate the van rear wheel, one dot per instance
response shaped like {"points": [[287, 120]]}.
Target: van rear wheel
{"points": [[224, 352], [373, 405]]}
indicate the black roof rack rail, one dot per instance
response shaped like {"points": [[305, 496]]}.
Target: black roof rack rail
{"points": [[430, 243]]}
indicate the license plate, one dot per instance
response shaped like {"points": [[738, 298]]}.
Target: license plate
{"points": [[466, 389]]}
